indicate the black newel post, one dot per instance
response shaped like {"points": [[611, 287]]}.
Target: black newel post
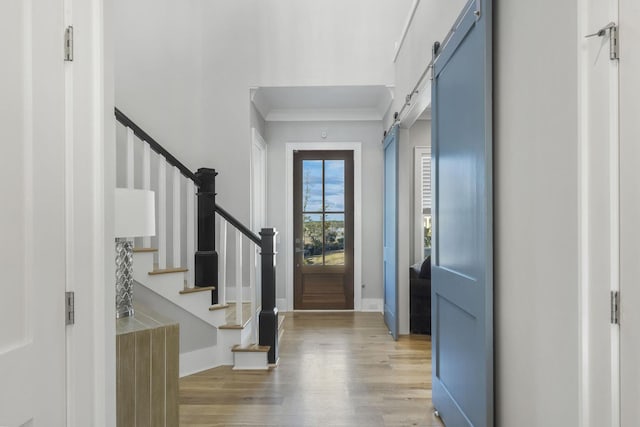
{"points": [[206, 257], [269, 313]]}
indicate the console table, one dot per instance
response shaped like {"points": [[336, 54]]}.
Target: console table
{"points": [[147, 355]]}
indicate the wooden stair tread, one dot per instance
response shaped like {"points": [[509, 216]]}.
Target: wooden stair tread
{"points": [[251, 348], [235, 325], [218, 307], [144, 250], [197, 289], [168, 270], [231, 326]]}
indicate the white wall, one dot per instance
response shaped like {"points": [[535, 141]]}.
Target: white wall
{"points": [[536, 214], [329, 42], [184, 68], [368, 133], [158, 72], [431, 23]]}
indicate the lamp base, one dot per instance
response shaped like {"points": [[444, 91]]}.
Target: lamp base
{"points": [[124, 278]]}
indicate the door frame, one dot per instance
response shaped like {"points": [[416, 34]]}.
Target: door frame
{"points": [[356, 147], [589, 289], [90, 183], [258, 203]]}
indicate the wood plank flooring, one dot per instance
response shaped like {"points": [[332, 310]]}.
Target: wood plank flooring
{"points": [[336, 369]]}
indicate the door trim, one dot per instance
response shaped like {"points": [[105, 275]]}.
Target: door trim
{"points": [[588, 289], [356, 147]]}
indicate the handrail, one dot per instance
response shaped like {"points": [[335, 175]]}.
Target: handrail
{"points": [[155, 146], [237, 224]]}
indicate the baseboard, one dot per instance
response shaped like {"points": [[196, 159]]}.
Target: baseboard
{"points": [[372, 304], [199, 360], [281, 303]]}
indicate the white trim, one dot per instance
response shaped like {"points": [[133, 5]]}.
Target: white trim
{"points": [[199, 360], [356, 147], [91, 397], [588, 290], [326, 114], [614, 226], [372, 305], [405, 30], [583, 228]]}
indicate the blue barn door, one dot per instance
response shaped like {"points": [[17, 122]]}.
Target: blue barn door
{"points": [[390, 238], [462, 257]]}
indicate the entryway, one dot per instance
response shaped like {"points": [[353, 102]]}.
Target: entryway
{"points": [[336, 369], [323, 229]]}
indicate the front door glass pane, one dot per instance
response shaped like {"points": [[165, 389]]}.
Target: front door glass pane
{"points": [[312, 224], [312, 185], [334, 236], [334, 185]]}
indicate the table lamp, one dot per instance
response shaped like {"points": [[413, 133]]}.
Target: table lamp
{"points": [[134, 217]]}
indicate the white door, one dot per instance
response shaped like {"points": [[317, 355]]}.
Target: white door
{"points": [[32, 217], [630, 212]]}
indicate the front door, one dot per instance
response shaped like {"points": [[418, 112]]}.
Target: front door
{"points": [[462, 251], [32, 218], [323, 230]]}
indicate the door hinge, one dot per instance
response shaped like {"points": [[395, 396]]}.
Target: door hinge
{"points": [[612, 29], [68, 43], [70, 309], [615, 307]]}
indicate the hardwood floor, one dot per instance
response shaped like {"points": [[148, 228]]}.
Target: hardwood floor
{"points": [[336, 369]]}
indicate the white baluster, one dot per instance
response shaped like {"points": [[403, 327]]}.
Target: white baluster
{"points": [[130, 158], [191, 231], [238, 261], [162, 213], [222, 263], [146, 181], [177, 254]]}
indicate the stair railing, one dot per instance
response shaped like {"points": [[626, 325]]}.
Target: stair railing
{"points": [[202, 262]]}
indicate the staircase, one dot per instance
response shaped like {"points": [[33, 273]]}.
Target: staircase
{"points": [[189, 269]]}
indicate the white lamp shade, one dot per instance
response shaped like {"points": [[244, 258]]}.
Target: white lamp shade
{"points": [[135, 214]]}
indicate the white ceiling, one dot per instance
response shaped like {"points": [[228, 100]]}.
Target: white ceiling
{"points": [[322, 103]]}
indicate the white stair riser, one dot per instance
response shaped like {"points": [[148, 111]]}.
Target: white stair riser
{"points": [[250, 360], [227, 338], [142, 263]]}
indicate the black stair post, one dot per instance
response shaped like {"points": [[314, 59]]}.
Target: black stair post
{"points": [[269, 312], [206, 261]]}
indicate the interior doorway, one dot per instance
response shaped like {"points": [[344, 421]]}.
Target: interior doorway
{"points": [[323, 210]]}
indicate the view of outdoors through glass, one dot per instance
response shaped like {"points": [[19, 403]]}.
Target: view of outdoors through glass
{"points": [[323, 211]]}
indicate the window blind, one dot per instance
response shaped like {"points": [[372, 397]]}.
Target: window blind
{"points": [[426, 181]]}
